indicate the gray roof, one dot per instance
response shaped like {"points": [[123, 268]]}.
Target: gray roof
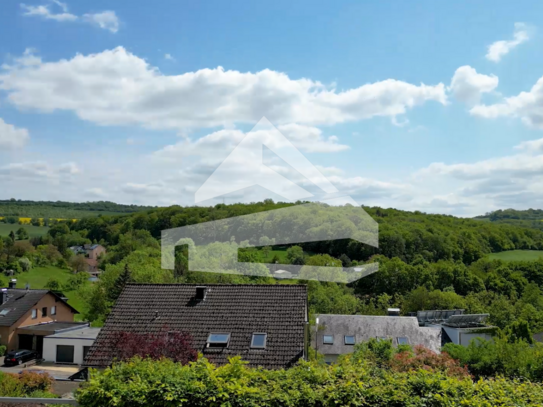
{"points": [[20, 301], [55, 327], [83, 333], [364, 327]]}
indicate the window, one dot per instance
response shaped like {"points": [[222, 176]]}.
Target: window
{"points": [[54, 310], [382, 338], [34, 313], [5, 311], [44, 312], [215, 340], [349, 339], [403, 340], [328, 339], [259, 341]]}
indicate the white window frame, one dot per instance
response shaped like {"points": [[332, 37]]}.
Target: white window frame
{"points": [[324, 342], [34, 313], [54, 310], [349, 336], [253, 346]]}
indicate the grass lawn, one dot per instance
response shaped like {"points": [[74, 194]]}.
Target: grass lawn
{"points": [[517, 255], [32, 231], [39, 276], [280, 252]]}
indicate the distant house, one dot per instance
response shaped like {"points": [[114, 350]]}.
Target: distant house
{"points": [[91, 253], [456, 327], [337, 334], [27, 316], [265, 324]]}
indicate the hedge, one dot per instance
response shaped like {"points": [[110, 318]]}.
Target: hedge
{"points": [[350, 382]]}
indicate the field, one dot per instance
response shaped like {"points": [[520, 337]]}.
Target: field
{"points": [[280, 252], [33, 231], [517, 255], [39, 276]]}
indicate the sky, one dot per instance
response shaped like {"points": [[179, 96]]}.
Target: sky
{"points": [[420, 105]]}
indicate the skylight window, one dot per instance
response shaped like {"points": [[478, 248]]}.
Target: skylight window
{"points": [[403, 340], [328, 339], [382, 338], [349, 339], [259, 341], [5, 311], [219, 339]]}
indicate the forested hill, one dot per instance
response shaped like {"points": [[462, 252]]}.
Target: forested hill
{"points": [[64, 210], [410, 236], [531, 218]]}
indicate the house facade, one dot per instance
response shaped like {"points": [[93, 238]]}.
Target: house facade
{"points": [[264, 324], [336, 335], [26, 316], [92, 254]]}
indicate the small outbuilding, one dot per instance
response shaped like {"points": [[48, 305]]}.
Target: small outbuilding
{"points": [[70, 346]]}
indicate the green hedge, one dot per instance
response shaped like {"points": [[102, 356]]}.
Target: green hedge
{"points": [[348, 383]]}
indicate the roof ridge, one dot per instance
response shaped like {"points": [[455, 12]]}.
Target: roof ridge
{"points": [[215, 285]]}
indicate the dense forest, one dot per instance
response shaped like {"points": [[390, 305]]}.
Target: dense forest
{"points": [[425, 262], [63, 210], [531, 218]]}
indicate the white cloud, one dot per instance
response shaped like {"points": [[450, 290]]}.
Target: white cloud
{"points": [[528, 106], [106, 20], [44, 12], [11, 137], [169, 57], [467, 85], [95, 193], [38, 171], [498, 49], [115, 87], [532, 146]]}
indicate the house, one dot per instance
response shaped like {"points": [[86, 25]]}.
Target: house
{"points": [[337, 334], [92, 254], [69, 345], [455, 326], [265, 324], [27, 316]]}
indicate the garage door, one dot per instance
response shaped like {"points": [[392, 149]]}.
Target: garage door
{"points": [[65, 354]]}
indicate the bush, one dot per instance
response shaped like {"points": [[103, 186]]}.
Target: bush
{"points": [[33, 381], [2, 350], [151, 383]]}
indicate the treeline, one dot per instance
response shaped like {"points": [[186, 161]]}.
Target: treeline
{"points": [[64, 210], [530, 218]]}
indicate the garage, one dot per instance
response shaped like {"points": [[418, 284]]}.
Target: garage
{"points": [[69, 347]]}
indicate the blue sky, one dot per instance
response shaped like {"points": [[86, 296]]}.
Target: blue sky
{"points": [[125, 101]]}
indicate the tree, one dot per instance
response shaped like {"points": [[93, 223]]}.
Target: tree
{"points": [[35, 222], [124, 278], [295, 255], [53, 285], [345, 260], [11, 220], [78, 263], [266, 251], [174, 345], [25, 264], [12, 236], [22, 234]]}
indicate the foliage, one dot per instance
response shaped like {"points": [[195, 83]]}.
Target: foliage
{"points": [[3, 350], [78, 263], [53, 285], [500, 356], [124, 278], [26, 383], [76, 281], [347, 383], [25, 264], [166, 343]]}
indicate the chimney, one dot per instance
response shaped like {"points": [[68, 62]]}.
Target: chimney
{"points": [[12, 283], [393, 312], [201, 292], [3, 296]]}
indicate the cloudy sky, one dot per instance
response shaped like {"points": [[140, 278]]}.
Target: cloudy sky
{"points": [[435, 106]]}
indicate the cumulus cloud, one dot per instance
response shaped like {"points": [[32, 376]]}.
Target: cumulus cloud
{"points": [[169, 57], [43, 11], [116, 87], [498, 49], [38, 171], [532, 146], [467, 85], [528, 106], [106, 20], [12, 137]]}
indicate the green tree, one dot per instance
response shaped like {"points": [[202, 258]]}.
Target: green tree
{"points": [[22, 234], [124, 278]]}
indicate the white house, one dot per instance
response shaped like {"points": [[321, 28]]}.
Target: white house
{"points": [[69, 347]]}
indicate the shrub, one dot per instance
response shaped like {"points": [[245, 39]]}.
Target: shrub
{"points": [[2, 350], [139, 382], [33, 381]]}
